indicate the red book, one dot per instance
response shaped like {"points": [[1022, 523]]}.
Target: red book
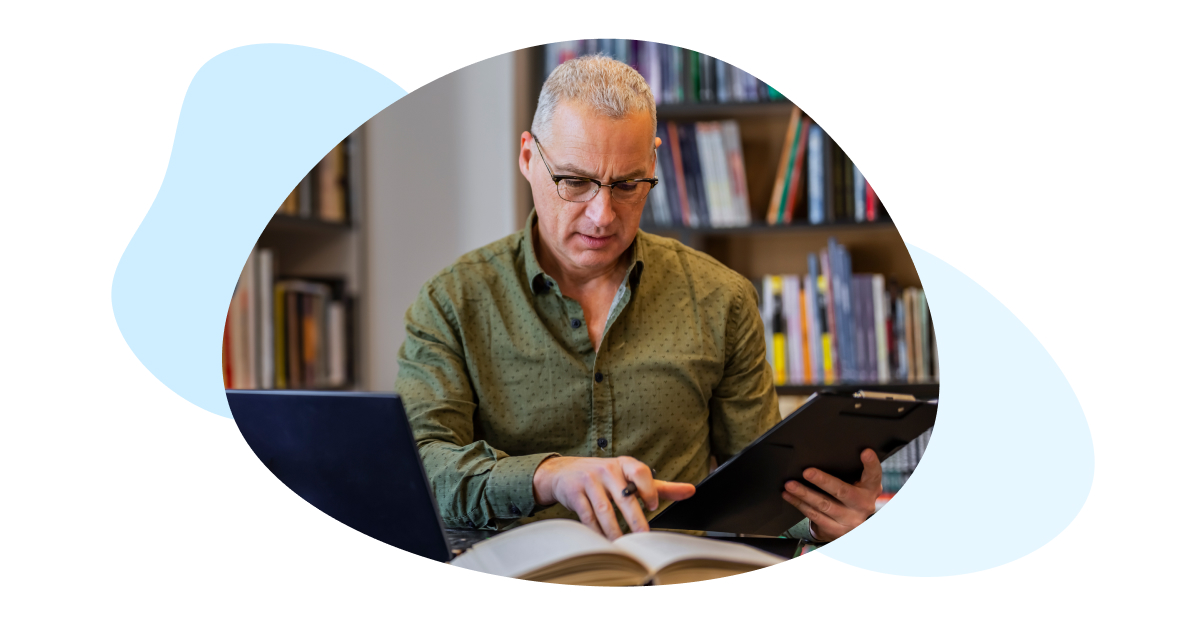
{"points": [[870, 202]]}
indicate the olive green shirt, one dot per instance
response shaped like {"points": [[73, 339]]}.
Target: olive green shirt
{"points": [[497, 374]]}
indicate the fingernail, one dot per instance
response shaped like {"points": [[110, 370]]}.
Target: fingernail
{"points": [[792, 485], [810, 474]]}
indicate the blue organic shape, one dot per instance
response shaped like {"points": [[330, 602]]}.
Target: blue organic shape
{"points": [[1010, 462], [255, 120]]}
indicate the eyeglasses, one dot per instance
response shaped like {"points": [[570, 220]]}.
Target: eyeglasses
{"points": [[578, 189]]}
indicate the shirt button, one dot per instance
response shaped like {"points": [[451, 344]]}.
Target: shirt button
{"points": [[550, 284], [515, 510], [575, 323], [599, 377], [602, 442]]}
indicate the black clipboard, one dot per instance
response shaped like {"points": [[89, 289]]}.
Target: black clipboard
{"points": [[828, 432]]}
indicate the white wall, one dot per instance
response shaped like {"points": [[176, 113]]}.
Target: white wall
{"points": [[439, 181]]}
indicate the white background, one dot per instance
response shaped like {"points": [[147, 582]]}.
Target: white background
{"points": [[1045, 149]]}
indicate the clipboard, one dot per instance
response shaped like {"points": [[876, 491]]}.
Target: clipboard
{"points": [[828, 432]]}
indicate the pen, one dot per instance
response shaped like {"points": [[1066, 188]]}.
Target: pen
{"points": [[631, 488]]}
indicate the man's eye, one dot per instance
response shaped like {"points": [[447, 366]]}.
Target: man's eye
{"points": [[577, 184], [626, 186]]}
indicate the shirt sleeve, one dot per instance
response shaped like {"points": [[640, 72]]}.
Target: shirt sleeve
{"points": [[744, 404], [475, 485]]}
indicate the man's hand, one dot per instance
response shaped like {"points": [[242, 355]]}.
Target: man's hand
{"points": [[845, 506], [589, 486]]}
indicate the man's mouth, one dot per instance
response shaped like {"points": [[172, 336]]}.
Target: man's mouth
{"points": [[595, 241]]}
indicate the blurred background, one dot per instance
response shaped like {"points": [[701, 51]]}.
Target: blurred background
{"points": [[744, 174]]}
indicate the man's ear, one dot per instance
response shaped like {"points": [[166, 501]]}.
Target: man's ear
{"points": [[525, 156]]}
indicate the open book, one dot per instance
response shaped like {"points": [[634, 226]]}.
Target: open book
{"points": [[562, 551]]}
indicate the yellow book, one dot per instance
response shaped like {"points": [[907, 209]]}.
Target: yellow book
{"points": [[778, 336]]}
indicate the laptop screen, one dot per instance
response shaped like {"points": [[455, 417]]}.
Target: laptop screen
{"points": [[350, 454]]}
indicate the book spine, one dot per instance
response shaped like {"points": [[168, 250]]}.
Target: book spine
{"points": [[737, 170], [693, 177], [806, 350], [791, 303], [796, 179], [828, 363], [778, 332], [871, 213], [880, 307], [860, 195], [280, 312], [266, 318], [816, 175], [294, 373], [666, 159], [814, 304], [781, 171], [833, 361], [685, 210], [709, 179], [768, 310]]}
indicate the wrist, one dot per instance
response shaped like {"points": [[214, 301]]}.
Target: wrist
{"points": [[543, 481]]}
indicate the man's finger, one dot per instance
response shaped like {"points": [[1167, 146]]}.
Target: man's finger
{"points": [[872, 476], [833, 486], [817, 500], [674, 491], [828, 528], [640, 475], [630, 509], [582, 508], [603, 509]]}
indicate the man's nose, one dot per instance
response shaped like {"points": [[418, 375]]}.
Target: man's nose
{"points": [[600, 211]]}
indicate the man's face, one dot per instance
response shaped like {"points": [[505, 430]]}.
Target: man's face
{"points": [[588, 236]]}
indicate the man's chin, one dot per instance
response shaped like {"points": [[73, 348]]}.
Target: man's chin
{"points": [[595, 258]]}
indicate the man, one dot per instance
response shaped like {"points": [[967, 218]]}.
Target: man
{"points": [[555, 371]]}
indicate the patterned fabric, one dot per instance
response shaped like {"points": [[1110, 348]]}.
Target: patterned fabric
{"points": [[497, 374]]}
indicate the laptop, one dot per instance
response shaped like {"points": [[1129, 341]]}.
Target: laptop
{"points": [[350, 454]]}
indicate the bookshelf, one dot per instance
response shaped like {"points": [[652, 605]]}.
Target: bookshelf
{"points": [[322, 247], [757, 249]]}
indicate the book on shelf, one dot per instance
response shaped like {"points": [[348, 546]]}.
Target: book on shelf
{"points": [[900, 466], [561, 551], [675, 75], [287, 333], [832, 326], [322, 193], [702, 177]]}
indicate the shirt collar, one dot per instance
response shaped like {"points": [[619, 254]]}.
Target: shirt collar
{"points": [[539, 281]]}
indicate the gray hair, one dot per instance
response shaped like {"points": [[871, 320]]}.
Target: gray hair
{"points": [[600, 83]]}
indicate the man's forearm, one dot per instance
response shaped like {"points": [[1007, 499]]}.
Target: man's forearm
{"points": [[479, 487]]}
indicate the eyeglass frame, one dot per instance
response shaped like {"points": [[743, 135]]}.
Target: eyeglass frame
{"points": [[653, 181]]}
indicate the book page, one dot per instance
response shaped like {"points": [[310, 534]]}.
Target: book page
{"points": [[658, 550], [528, 548]]}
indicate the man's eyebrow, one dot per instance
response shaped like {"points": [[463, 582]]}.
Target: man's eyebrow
{"points": [[571, 169]]}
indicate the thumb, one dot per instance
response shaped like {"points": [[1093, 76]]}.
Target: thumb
{"points": [[673, 491], [872, 470]]}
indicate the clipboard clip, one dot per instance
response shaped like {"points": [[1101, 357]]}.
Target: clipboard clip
{"points": [[862, 393]]}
